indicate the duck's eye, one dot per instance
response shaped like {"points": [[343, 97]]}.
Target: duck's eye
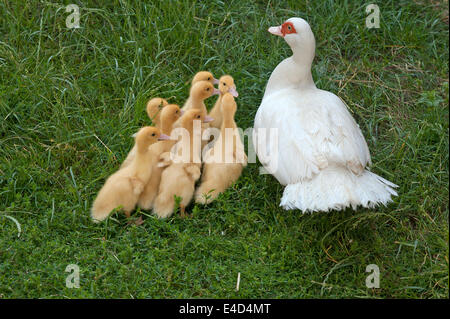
{"points": [[289, 28]]}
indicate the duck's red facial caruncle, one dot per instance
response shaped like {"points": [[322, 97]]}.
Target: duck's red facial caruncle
{"points": [[284, 29], [287, 28]]}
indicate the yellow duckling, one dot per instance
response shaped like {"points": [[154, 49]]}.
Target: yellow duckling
{"points": [[223, 164], [200, 91], [200, 76], [179, 177], [122, 189], [154, 109], [169, 115], [226, 84]]}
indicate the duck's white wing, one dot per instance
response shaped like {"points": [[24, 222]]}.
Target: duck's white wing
{"points": [[348, 146], [282, 144], [313, 133]]}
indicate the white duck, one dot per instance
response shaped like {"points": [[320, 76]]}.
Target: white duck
{"points": [[320, 153]]}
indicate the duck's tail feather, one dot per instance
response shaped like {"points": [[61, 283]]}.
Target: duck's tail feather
{"points": [[336, 189]]}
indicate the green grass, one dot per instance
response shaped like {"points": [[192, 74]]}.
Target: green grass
{"points": [[70, 100]]}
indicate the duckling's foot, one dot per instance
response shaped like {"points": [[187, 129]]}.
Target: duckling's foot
{"points": [[183, 213], [137, 222]]}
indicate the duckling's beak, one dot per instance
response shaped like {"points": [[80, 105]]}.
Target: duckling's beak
{"points": [[181, 112], [134, 135], [163, 137], [208, 119], [216, 92], [216, 81], [276, 30], [233, 91]]}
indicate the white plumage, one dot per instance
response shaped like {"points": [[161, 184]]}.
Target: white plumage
{"points": [[320, 153]]}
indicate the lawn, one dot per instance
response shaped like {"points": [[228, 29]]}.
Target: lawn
{"points": [[70, 99]]}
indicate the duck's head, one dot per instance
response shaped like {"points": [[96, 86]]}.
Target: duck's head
{"points": [[204, 76], [149, 135], [203, 90], [171, 113], [298, 34], [193, 115], [154, 107], [226, 84]]}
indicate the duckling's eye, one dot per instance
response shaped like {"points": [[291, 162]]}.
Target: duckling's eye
{"points": [[153, 134], [207, 89], [176, 111], [209, 78], [224, 84], [198, 116]]}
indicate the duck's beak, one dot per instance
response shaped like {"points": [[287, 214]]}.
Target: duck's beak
{"points": [[233, 91], [216, 92], [163, 137], [276, 30], [208, 119], [216, 81]]}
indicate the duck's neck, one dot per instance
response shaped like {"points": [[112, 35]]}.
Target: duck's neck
{"points": [[219, 99], [216, 111], [293, 72], [194, 141], [304, 76], [228, 146], [166, 127], [302, 60], [228, 122], [141, 162], [198, 104]]}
